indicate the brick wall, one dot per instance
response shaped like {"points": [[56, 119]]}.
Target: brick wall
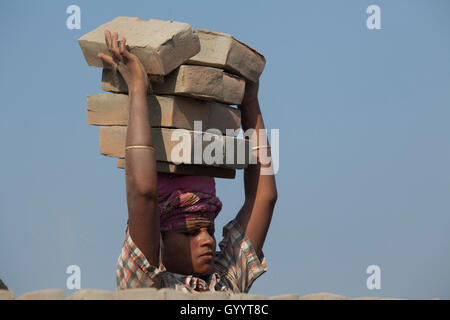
{"points": [[167, 294]]}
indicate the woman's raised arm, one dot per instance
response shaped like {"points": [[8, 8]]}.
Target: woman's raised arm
{"points": [[260, 189], [140, 168]]}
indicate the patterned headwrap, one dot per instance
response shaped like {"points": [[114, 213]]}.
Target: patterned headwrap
{"points": [[184, 200]]}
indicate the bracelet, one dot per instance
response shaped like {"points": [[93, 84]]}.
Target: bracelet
{"points": [[259, 147], [140, 147]]}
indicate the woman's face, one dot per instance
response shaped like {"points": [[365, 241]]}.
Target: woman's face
{"points": [[190, 251]]}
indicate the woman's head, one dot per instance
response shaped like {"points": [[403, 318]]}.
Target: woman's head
{"points": [[188, 206], [190, 250]]}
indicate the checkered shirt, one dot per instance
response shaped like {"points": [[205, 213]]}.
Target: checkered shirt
{"points": [[236, 267]]}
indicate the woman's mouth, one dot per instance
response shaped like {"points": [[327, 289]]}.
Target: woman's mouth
{"points": [[208, 254]]}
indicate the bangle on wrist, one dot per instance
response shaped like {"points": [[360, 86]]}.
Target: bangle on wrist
{"points": [[260, 147], [140, 147]]}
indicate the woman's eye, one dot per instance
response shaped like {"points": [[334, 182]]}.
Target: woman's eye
{"points": [[190, 233]]}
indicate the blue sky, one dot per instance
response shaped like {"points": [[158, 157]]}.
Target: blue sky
{"points": [[363, 115]]}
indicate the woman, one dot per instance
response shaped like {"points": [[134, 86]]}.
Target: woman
{"points": [[181, 209]]}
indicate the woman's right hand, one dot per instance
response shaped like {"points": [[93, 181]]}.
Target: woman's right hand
{"points": [[129, 66]]}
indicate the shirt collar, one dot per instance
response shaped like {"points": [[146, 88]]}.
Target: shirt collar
{"points": [[197, 284]]}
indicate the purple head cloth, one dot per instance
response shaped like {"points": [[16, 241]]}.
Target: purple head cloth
{"points": [[183, 199]]}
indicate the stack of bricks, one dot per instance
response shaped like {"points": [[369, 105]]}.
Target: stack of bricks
{"points": [[195, 75], [169, 294]]}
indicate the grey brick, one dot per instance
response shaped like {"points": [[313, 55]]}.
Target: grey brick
{"points": [[243, 296], [323, 296], [92, 294], [188, 169], [199, 82], [49, 294], [113, 141], [161, 46], [172, 294], [6, 295], [139, 294], [294, 296], [215, 295], [223, 51], [165, 111]]}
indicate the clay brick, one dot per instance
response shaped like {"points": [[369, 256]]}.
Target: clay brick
{"points": [[162, 46], [49, 294], [233, 88], [139, 294], [113, 140], [286, 297], [323, 296], [243, 296], [188, 169], [172, 294], [165, 111], [214, 295], [204, 83], [223, 51], [6, 295], [92, 294]]}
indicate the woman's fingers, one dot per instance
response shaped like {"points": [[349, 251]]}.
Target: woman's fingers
{"points": [[108, 40], [122, 46], [115, 48], [110, 44], [114, 39], [107, 59], [124, 50], [119, 49]]}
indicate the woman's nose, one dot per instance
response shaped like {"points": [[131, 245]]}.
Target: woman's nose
{"points": [[206, 238]]}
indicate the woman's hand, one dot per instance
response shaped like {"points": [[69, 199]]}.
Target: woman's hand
{"points": [[127, 63]]}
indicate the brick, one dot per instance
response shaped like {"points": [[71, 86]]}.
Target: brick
{"points": [[113, 140], [204, 83], [188, 169], [233, 88], [323, 296], [162, 46], [139, 294], [223, 51], [92, 294], [294, 296], [172, 294], [214, 295], [49, 294], [6, 295], [165, 111], [244, 296]]}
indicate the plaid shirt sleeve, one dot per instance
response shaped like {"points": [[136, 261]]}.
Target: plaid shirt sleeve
{"points": [[238, 259], [133, 268]]}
